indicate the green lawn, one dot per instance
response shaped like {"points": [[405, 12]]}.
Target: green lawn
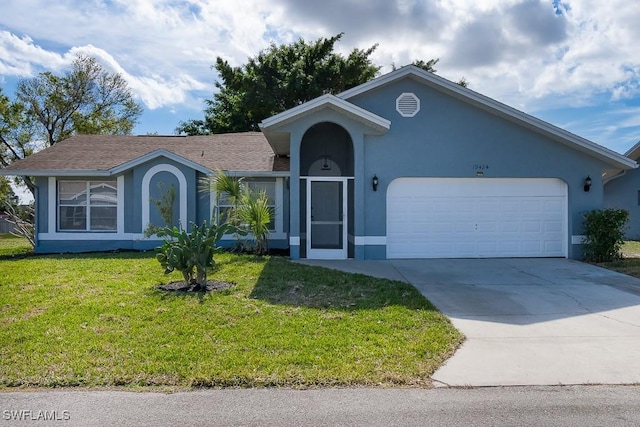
{"points": [[630, 263], [12, 246], [98, 320]]}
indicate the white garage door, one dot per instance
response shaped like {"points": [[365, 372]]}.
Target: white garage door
{"points": [[476, 218]]}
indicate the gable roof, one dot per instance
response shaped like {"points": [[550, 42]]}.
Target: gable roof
{"points": [[112, 154], [634, 152], [615, 160], [280, 141]]}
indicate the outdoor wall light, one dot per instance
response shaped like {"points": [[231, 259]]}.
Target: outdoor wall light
{"points": [[374, 182], [326, 166], [587, 184]]}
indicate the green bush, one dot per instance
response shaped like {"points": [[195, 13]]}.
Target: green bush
{"points": [[191, 253], [604, 232]]}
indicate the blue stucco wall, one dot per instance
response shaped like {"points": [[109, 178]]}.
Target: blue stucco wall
{"points": [[198, 209], [623, 193], [447, 138]]}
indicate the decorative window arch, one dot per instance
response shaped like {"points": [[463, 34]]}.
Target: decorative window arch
{"points": [[146, 182]]}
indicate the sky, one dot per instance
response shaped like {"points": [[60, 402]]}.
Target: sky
{"points": [[574, 63]]}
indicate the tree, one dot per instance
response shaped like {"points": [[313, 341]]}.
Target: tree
{"points": [[280, 78], [15, 132], [7, 196], [277, 79], [428, 66], [50, 108]]}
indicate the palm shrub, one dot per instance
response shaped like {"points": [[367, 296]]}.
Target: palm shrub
{"points": [[250, 210], [191, 253], [255, 214], [604, 234], [233, 189]]}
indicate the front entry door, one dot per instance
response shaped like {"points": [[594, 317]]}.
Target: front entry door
{"points": [[327, 218]]}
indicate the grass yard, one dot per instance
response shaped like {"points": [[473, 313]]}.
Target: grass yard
{"points": [[630, 263], [12, 246], [98, 320]]}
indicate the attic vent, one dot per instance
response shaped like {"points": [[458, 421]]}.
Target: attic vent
{"points": [[407, 105]]}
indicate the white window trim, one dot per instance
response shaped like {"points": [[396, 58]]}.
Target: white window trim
{"points": [[146, 182], [52, 217]]}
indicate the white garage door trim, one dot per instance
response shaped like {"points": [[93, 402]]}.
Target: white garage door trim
{"points": [[477, 218]]}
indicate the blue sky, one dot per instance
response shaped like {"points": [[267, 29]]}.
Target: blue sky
{"points": [[575, 64]]}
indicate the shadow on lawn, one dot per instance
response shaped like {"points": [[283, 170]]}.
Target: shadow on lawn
{"points": [[287, 283]]}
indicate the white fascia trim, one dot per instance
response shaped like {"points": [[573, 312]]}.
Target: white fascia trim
{"points": [[379, 81], [294, 241], [254, 174], [113, 171], [564, 136], [101, 236], [160, 153], [52, 172], [146, 182], [380, 123], [370, 240]]}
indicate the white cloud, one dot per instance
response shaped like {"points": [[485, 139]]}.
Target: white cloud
{"points": [[531, 54]]}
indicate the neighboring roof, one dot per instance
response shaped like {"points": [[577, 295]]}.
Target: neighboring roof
{"points": [[111, 154], [634, 152], [280, 141], [616, 160]]}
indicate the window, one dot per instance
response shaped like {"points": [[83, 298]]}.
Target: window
{"points": [[87, 205], [224, 205]]}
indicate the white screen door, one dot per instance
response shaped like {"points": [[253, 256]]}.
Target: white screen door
{"points": [[327, 218]]}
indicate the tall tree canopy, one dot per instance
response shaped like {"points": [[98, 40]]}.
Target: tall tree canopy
{"points": [[49, 108], [282, 77], [277, 79], [428, 66]]}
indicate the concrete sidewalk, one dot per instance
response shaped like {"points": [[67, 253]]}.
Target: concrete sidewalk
{"points": [[527, 321]]}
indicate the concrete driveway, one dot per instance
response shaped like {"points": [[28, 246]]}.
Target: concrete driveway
{"points": [[527, 321]]}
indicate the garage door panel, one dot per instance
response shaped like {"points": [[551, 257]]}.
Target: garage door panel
{"points": [[438, 217]]}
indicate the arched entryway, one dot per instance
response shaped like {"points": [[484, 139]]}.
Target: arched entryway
{"points": [[151, 191], [326, 192]]}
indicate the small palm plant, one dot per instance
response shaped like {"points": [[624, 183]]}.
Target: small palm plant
{"points": [[250, 210], [255, 213], [233, 189]]}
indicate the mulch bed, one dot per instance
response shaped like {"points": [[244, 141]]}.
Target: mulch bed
{"points": [[182, 286]]}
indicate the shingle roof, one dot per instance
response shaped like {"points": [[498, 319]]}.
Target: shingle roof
{"points": [[247, 151]]}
